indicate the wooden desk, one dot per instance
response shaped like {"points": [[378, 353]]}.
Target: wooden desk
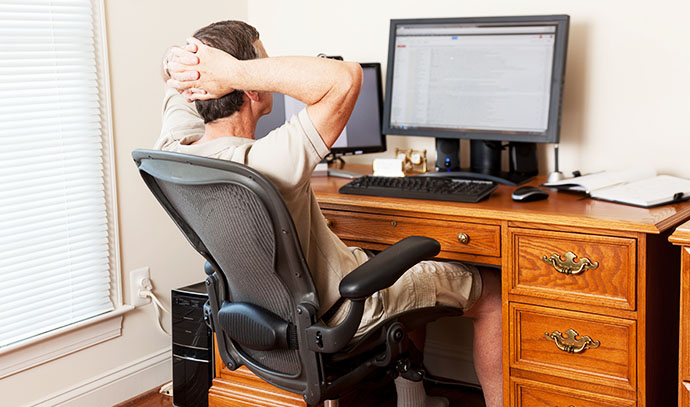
{"points": [[628, 303], [682, 237]]}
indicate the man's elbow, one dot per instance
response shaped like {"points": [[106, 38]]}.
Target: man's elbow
{"points": [[355, 76], [350, 84]]}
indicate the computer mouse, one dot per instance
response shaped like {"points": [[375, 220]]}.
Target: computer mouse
{"points": [[529, 194]]}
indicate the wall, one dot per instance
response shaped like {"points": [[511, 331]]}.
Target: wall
{"points": [[626, 79], [138, 34]]}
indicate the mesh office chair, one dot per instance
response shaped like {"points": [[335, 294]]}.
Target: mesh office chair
{"points": [[262, 299]]}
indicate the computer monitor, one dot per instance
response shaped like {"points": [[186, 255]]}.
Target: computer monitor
{"points": [[362, 133], [487, 79]]}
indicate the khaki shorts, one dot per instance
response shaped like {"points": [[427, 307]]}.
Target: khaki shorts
{"points": [[426, 284]]}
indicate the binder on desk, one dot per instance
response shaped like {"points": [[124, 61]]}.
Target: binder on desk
{"points": [[638, 187]]}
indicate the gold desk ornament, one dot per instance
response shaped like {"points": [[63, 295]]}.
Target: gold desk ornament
{"points": [[414, 161], [570, 344], [569, 266]]}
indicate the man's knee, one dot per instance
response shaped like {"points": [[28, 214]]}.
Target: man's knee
{"points": [[490, 298], [491, 282]]}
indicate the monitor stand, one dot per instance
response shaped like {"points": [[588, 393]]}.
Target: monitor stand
{"points": [[485, 161]]}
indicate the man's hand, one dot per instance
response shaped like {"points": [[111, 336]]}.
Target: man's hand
{"points": [[199, 71], [329, 88]]}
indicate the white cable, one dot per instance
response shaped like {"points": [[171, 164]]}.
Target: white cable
{"points": [[155, 299], [157, 304], [167, 389]]}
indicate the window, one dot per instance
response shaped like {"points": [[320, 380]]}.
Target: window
{"points": [[58, 254]]}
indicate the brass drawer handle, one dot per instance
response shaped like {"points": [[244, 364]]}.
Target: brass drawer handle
{"points": [[463, 238], [329, 223], [570, 344], [569, 266]]}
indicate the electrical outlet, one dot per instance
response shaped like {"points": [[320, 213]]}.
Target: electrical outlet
{"points": [[139, 280]]}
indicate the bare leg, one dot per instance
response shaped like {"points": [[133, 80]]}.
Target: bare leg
{"points": [[487, 349]]}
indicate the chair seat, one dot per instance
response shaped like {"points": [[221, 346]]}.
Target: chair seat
{"points": [[412, 320]]}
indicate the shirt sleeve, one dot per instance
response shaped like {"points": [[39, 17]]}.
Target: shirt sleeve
{"points": [[180, 120], [289, 154]]}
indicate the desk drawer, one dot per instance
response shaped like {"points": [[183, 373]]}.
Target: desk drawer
{"points": [[458, 237], [610, 362], [540, 267], [530, 394]]}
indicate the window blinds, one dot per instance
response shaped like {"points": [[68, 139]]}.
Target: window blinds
{"points": [[54, 264]]}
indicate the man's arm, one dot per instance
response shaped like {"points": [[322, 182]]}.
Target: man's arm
{"points": [[329, 88]]}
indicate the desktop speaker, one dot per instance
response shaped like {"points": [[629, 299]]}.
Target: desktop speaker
{"points": [[523, 158], [485, 156], [447, 154]]}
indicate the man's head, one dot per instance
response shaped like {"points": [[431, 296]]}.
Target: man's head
{"points": [[238, 39]]}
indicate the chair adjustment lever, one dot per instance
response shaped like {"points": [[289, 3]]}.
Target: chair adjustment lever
{"points": [[405, 369]]}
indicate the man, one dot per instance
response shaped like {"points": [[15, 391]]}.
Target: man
{"points": [[226, 71]]}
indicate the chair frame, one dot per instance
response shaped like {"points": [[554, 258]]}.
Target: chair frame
{"points": [[320, 346]]}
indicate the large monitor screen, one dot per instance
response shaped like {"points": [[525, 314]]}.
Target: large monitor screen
{"points": [[362, 134], [489, 78]]}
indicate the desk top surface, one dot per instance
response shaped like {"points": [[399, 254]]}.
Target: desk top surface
{"points": [[561, 208]]}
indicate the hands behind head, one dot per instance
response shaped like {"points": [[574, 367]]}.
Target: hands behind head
{"points": [[196, 70]]}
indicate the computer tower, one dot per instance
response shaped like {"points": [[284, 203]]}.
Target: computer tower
{"points": [[192, 347]]}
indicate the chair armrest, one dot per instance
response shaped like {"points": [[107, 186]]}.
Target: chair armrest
{"points": [[380, 272], [384, 269]]}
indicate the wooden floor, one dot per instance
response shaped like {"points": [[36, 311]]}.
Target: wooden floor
{"points": [[151, 398], [458, 396]]}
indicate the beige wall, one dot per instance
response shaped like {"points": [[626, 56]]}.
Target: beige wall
{"points": [[627, 87], [138, 34]]}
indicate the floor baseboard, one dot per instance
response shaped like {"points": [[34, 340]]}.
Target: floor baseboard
{"points": [[117, 385], [148, 397]]}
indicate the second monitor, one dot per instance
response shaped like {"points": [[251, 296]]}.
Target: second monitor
{"points": [[362, 133]]}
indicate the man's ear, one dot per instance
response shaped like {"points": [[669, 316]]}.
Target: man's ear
{"points": [[252, 95]]}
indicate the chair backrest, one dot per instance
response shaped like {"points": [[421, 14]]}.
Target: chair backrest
{"points": [[237, 220]]}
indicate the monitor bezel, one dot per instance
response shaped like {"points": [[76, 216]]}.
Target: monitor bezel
{"points": [[340, 151], [552, 133]]}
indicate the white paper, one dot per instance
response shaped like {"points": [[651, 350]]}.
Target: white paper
{"points": [[592, 182], [646, 192]]}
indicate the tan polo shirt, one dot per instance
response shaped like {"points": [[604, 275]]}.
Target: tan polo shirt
{"points": [[287, 156]]}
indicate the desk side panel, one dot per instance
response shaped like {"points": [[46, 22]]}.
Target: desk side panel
{"points": [[660, 288]]}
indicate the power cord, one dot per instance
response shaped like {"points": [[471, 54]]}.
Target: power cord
{"points": [[147, 293]]}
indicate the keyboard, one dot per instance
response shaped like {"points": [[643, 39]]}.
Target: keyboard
{"points": [[433, 188]]}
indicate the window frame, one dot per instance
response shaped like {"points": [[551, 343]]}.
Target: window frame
{"points": [[51, 345]]}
